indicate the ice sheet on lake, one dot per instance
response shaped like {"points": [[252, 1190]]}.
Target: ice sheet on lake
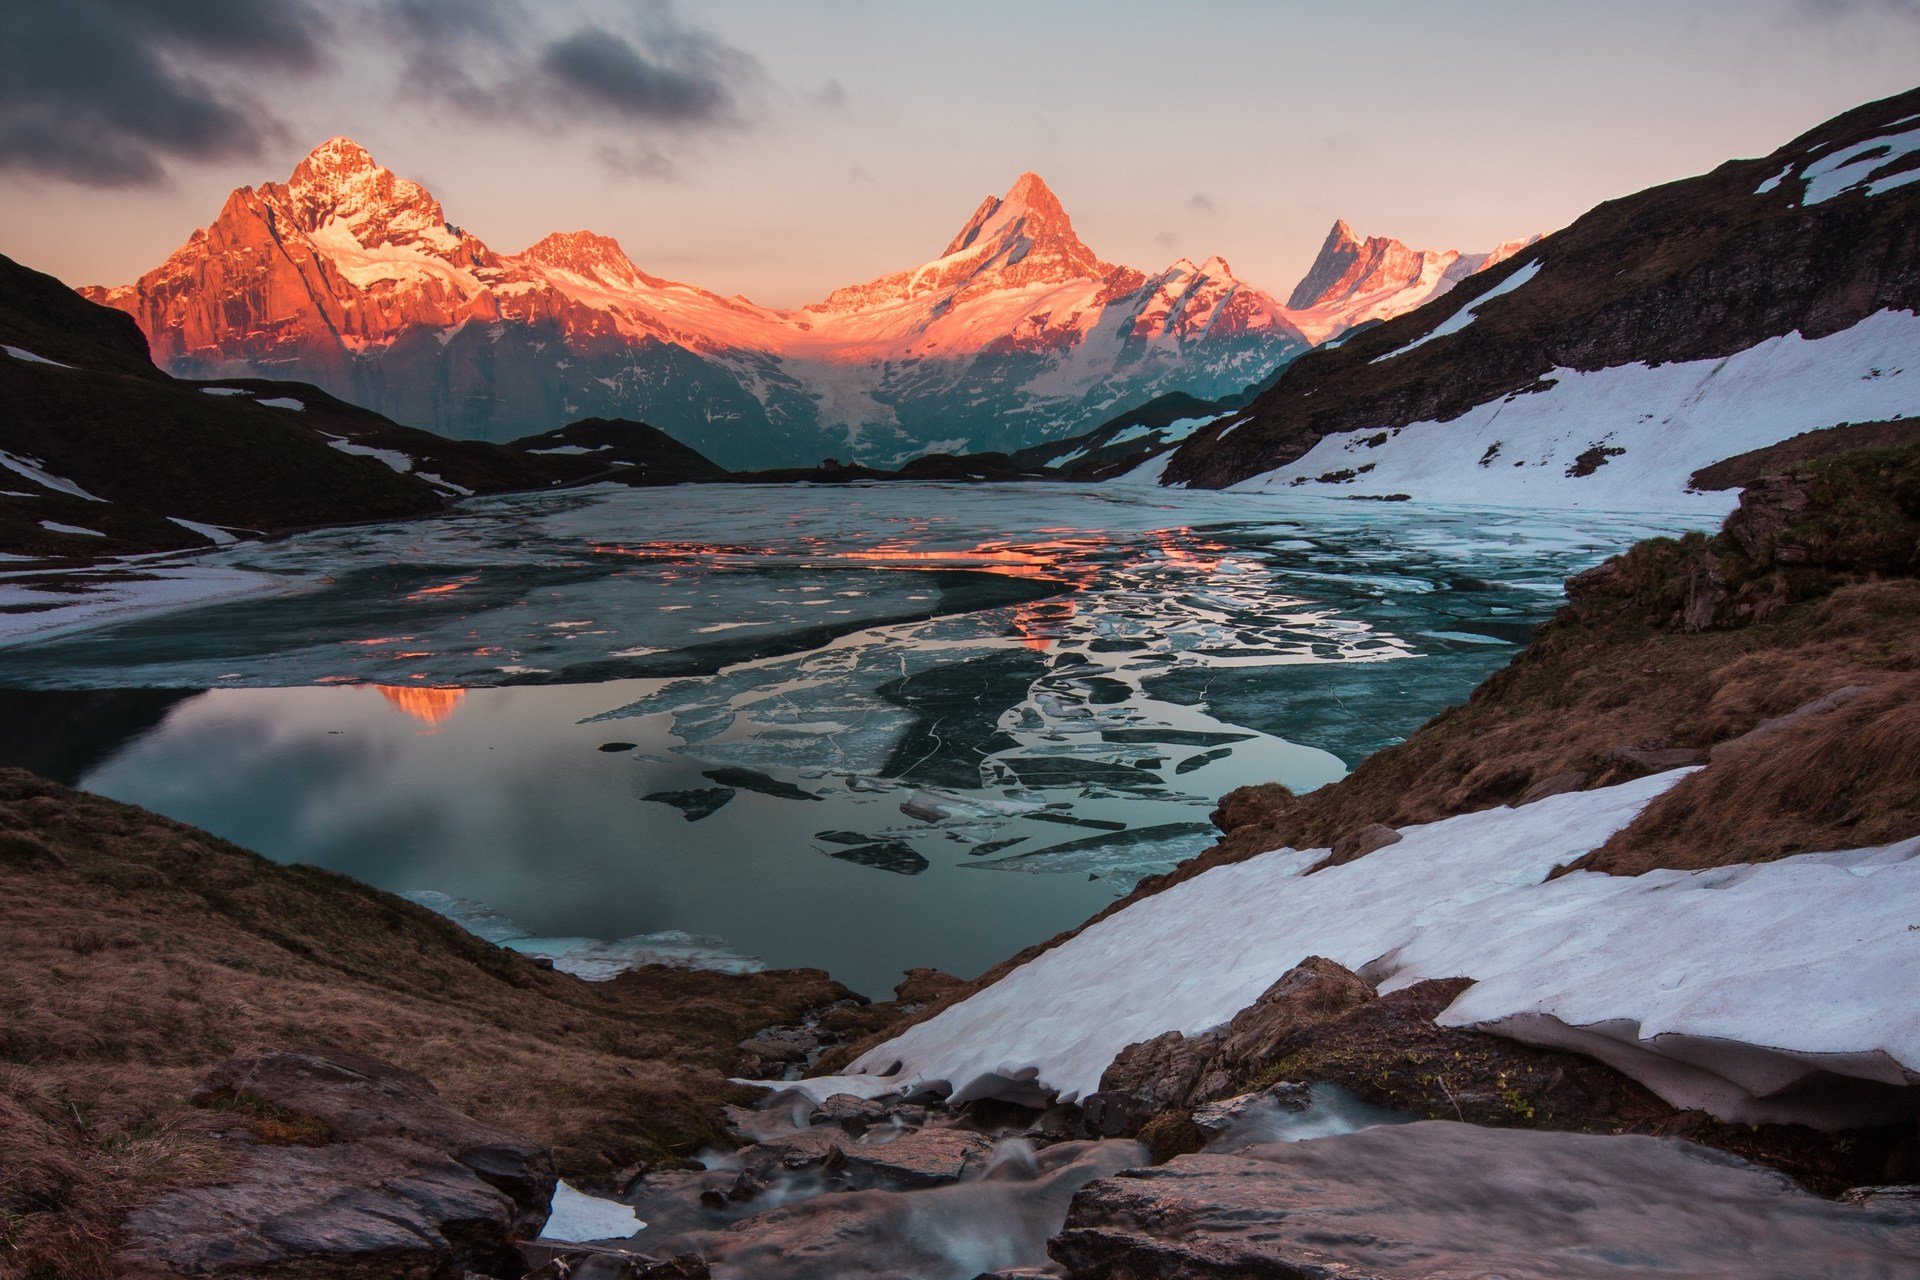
{"points": [[594, 959]]}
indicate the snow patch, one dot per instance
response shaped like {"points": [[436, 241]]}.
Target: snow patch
{"points": [[392, 457], [211, 532], [577, 1217], [1669, 420], [32, 470], [1467, 314], [1709, 986], [56, 527], [1849, 167], [20, 353], [282, 402], [225, 391]]}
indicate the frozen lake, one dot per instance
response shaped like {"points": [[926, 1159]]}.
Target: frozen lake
{"points": [[861, 728]]}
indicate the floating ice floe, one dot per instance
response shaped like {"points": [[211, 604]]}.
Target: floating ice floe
{"points": [[1728, 989], [594, 959]]}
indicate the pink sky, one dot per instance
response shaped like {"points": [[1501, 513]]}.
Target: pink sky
{"points": [[859, 135]]}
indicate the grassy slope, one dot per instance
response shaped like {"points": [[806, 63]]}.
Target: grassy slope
{"points": [[140, 951]]}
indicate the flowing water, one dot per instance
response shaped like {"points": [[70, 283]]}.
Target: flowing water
{"points": [[862, 728]]}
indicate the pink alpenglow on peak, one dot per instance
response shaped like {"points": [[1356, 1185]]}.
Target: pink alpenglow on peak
{"points": [[352, 277]]}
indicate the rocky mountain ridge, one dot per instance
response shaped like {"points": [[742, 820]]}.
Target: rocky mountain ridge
{"points": [[350, 276]]}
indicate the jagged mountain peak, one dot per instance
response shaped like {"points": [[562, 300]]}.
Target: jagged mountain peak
{"points": [[1029, 210]]}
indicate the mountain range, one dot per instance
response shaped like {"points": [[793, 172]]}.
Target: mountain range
{"points": [[351, 277]]}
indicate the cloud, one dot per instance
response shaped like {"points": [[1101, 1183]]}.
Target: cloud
{"points": [[104, 92], [111, 92], [598, 69], [1200, 202]]}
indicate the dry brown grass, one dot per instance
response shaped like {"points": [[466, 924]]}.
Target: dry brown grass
{"points": [[1845, 779], [138, 952]]}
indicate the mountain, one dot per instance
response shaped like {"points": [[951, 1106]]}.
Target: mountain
{"points": [[1353, 281], [351, 277], [103, 454], [1605, 364]]}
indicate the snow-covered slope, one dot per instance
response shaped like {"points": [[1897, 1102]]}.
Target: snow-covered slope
{"points": [[351, 277], [1605, 363], [1628, 437], [1708, 986]]}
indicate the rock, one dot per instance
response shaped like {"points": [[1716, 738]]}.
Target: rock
{"points": [[1706, 588], [768, 1054], [921, 1158], [1173, 1071], [389, 1180], [1643, 760], [1148, 1077], [1767, 728], [1767, 507], [923, 986], [1439, 1199], [917, 1158], [1214, 1118], [1308, 994], [1552, 785], [1061, 1122], [851, 1112], [598, 1262], [1357, 844], [357, 1097]]}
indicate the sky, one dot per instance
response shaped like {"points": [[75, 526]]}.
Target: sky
{"points": [[783, 148]]}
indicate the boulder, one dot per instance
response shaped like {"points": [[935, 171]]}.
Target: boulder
{"points": [[344, 1166], [852, 1113], [1363, 841], [923, 986], [1440, 1199], [1305, 996], [1552, 785]]}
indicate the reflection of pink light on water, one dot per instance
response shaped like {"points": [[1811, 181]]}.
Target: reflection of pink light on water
{"points": [[441, 590], [433, 706]]}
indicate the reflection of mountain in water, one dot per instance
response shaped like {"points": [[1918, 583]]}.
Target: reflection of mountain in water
{"points": [[64, 735]]}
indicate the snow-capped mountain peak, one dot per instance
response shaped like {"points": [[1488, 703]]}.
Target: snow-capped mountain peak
{"points": [[1355, 280], [589, 256]]}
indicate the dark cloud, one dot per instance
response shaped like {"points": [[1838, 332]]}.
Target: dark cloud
{"points": [[104, 92], [602, 70], [1200, 202], [831, 96]]}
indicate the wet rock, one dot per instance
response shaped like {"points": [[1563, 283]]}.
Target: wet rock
{"points": [[1361, 842], [389, 1179], [1552, 785], [921, 1158], [767, 1054], [598, 1262], [1175, 1072], [1061, 1122], [1438, 1199], [851, 1112], [896, 856], [1214, 1118], [1148, 1077], [695, 803], [754, 780]]}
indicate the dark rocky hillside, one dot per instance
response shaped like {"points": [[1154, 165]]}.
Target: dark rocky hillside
{"points": [[1699, 268]]}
